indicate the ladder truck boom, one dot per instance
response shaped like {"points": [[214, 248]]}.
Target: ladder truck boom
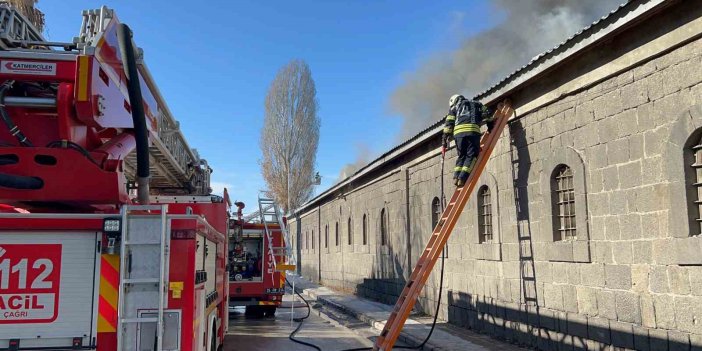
{"points": [[85, 135], [70, 108]]}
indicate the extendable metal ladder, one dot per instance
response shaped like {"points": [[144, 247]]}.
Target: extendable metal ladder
{"points": [[265, 206], [16, 30], [270, 212], [269, 208], [289, 252], [142, 284], [440, 236]]}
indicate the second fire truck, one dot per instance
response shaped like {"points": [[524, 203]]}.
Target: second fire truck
{"points": [[259, 255]]}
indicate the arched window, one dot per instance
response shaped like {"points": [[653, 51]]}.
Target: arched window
{"points": [[694, 180], [563, 199], [484, 215], [435, 212], [326, 236], [349, 231], [336, 234], [365, 230], [383, 227]]}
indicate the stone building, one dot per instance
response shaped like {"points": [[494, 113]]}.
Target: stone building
{"points": [[584, 230]]}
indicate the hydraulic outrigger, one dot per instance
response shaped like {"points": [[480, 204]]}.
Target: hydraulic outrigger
{"points": [[426, 262]]}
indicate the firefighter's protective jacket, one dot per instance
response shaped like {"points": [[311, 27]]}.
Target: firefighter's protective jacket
{"points": [[466, 117]]}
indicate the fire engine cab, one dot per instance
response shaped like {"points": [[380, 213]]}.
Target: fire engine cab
{"points": [[110, 238]]}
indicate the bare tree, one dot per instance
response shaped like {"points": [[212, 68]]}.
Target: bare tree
{"points": [[290, 135], [26, 7]]}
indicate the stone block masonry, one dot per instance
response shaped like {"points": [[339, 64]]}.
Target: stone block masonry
{"points": [[604, 144]]}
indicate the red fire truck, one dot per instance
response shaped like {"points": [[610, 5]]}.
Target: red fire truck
{"points": [[109, 236], [259, 256]]}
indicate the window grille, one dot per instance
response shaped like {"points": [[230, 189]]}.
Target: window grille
{"points": [[565, 203], [697, 179], [484, 215], [435, 212]]}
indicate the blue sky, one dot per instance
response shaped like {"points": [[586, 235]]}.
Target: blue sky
{"points": [[214, 64]]}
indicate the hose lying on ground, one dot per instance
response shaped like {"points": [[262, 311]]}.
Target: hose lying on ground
{"points": [[300, 321], [438, 302], [416, 347]]}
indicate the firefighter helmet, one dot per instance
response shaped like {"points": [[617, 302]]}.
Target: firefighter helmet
{"points": [[454, 99]]}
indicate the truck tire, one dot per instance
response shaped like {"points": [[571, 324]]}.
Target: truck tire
{"points": [[270, 311], [213, 342], [255, 311], [249, 311]]}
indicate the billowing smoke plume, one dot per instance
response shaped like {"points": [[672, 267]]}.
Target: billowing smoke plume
{"points": [[363, 156], [530, 27]]}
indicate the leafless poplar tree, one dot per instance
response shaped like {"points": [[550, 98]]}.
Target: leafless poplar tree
{"points": [[290, 135]]}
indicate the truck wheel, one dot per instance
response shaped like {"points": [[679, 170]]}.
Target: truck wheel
{"points": [[270, 311], [255, 311], [213, 343]]}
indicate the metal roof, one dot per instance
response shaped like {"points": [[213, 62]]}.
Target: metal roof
{"points": [[593, 33], [540, 57]]}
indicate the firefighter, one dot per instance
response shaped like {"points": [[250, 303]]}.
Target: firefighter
{"points": [[463, 125]]}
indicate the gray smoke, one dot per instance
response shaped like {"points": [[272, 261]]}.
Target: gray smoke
{"points": [[363, 156], [530, 27]]}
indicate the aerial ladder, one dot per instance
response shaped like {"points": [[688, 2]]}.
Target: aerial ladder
{"points": [[84, 90], [442, 231]]}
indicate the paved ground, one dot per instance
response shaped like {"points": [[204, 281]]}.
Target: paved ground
{"points": [[374, 314], [342, 321], [270, 334]]}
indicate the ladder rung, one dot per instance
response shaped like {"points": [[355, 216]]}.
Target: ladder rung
{"points": [[141, 280], [139, 320]]}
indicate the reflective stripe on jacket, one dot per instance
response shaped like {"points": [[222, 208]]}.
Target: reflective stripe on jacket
{"points": [[466, 117]]}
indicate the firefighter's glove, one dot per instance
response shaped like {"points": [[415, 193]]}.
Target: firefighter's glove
{"points": [[446, 140], [490, 125]]}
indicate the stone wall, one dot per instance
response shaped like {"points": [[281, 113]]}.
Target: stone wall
{"points": [[632, 277]]}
